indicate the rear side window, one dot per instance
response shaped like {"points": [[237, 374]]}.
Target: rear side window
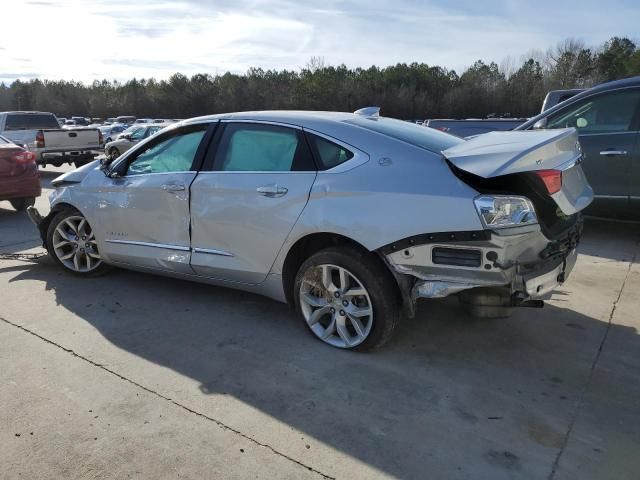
{"points": [[247, 147], [417, 135], [30, 121], [328, 154]]}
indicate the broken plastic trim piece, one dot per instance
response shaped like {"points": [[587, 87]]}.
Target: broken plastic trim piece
{"points": [[438, 289]]}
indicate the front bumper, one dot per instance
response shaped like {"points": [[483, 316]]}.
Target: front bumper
{"points": [[526, 263]]}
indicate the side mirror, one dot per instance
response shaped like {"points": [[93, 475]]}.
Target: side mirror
{"points": [[125, 136], [540, 124]]}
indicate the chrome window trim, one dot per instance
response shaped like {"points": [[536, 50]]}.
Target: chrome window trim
{"points": [[610, 197], [148, 244], [212, 251], [156, 173]]}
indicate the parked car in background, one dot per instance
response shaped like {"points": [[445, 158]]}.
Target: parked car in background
{"points": [[69, 124], [474, 126], [112, 131], [143, 120], [129, 138], [163, 120], [40, 133], [350, 217], [607, 118], [19, 176], [61, 121], [555, 97], [81, 121], [128, 119]]}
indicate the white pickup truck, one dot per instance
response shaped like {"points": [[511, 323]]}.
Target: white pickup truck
{"points": [[40, 133]]}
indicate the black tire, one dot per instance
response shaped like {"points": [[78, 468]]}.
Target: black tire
{"points": [[21, 204], [57, 220], [376, 279], [114, 153]]}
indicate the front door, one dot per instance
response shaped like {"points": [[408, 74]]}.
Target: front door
{"points": [[605, 124], [244, 207], [142, 217]]}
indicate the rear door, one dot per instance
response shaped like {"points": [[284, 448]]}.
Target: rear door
{"points": [[245, 205], [142, 217], [605, 124]]}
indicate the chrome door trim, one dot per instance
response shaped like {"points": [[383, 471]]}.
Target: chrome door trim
{"points": [[627, 132], [611, 197], [148, 244], [212, 251]]}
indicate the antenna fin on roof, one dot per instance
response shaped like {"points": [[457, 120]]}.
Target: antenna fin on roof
{"points": [[373, 112]]}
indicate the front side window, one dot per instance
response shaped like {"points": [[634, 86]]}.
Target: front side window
{"points": [[606, 113], [174, 154], [246, 147]]}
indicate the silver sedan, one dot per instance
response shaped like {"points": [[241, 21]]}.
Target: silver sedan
{"points": [[350, 218]]}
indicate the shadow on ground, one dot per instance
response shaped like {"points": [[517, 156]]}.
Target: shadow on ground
{"points": [[449, 391]]}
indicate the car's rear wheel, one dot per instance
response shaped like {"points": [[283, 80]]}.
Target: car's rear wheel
{"points": [[114, 153], [72, 244], [21, 204], [347, 298]]}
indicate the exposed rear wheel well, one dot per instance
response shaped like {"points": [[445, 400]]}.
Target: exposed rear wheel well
{"points": [[307, 246]]}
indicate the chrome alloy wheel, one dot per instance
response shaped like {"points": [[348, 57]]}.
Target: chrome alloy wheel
{"points": [[336, 306], [75, 246]]}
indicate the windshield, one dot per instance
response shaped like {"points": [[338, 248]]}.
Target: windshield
{"points": [[423, 137], [31, 121]]}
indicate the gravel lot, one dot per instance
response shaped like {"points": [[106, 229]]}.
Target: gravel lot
{"points": [[136, 376]]}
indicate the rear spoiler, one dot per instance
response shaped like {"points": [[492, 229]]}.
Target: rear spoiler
{"points": [[502, 153]]}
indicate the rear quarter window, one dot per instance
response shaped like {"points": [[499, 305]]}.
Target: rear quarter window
{"points": [[327, 153], [30, 121], [417, 135]]}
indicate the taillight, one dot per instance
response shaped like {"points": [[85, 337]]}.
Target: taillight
{"points": [[40, 139], [552, 180], [24, 157]]}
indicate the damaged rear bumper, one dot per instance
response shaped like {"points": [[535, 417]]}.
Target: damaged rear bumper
{"points": [[524, 263]]}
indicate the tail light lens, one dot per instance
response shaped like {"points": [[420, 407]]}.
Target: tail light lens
{"points": [[40, 139], [552, 179], [24, 157]]}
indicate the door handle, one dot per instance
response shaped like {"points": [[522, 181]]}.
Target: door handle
{"points": [[272, 191], [613, 153], [173, 187]]}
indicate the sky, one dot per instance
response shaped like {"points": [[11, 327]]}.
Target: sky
{"points": [[85, 40]]}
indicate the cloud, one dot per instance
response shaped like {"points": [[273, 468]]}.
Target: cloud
{"points": [[120, 39]]}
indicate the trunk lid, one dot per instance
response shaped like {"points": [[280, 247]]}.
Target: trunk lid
{"points": [[506, 154], [501, 153]]}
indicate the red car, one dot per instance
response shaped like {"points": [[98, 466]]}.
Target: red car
{"points": [[19, 176]]}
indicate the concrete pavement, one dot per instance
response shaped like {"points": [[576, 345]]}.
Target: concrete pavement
{"points": [[233, 387]]}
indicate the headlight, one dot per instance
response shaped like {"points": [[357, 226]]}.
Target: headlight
{"points": [[502, 211]]}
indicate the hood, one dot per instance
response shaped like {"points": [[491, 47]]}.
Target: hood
{"points": [[75, 176], [502, 153]]}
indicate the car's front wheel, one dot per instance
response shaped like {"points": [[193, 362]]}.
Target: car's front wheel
{"points": [[72, 244], [347, 298]]}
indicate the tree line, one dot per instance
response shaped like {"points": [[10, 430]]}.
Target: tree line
{"points": [[408, 91]]}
